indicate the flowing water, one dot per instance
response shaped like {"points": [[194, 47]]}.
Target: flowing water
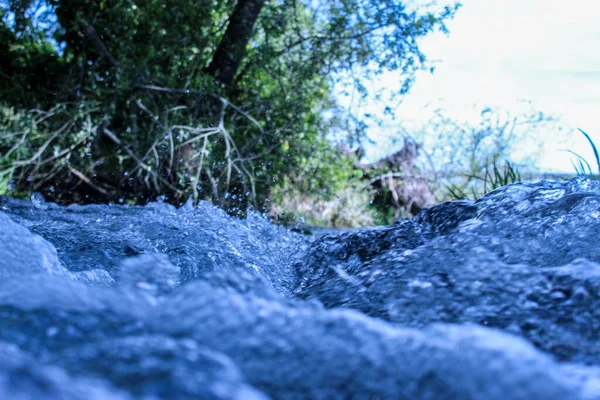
{"points": [[497, 299]]}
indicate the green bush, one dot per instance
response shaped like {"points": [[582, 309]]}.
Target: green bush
{"points": [[133, 105], [39, 148], [348, 208]]}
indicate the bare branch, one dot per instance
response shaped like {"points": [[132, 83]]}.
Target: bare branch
{"points": [[199, 172], [142, 165], [85, 179], [44, 146], [255, 122]]}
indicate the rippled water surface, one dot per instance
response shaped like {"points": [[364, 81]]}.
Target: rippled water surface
{"points": [[497, 299]]}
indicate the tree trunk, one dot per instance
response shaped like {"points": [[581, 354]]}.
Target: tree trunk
{"points": [[231, 50]]}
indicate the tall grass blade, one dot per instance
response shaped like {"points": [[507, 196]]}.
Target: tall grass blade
{"points": [[582, 167], [593, 148]]}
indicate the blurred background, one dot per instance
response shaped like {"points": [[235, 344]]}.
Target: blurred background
{"points": [[342, 113]]}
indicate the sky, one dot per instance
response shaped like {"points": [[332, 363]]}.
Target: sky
{"points": [[500, 54]]}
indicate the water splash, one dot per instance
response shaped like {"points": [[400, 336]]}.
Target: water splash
{"points": [[495, 299]]}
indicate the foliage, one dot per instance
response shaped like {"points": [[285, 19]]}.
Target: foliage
{"points": [[348, 208], [36, 146], [129, 79], [463, 159], [458, 147]]}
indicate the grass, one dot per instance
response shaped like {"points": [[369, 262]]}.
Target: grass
{"points": [[582, 166], [493, 177]]}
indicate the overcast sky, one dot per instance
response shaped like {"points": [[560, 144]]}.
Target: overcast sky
{"points": [[501, 52]]}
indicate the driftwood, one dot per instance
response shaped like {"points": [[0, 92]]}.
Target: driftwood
{"points": [[392, 180]]}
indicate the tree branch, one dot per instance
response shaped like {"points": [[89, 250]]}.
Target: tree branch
{"points": [[93, 36]]}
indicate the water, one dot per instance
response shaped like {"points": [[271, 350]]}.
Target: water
{"points": [[497, 299]]}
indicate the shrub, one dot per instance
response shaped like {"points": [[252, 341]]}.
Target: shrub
{"points": [[348, 208]]}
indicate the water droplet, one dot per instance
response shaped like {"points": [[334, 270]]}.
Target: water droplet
{"points": [[38, 201]]}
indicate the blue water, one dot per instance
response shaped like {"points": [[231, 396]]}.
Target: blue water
{"points": [[496, 299]]}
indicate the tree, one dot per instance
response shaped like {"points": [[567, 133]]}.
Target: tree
{"points": [[232, 48], [136, 71]]}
